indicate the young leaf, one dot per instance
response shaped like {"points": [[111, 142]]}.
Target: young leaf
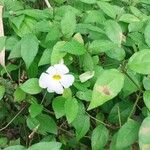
{"points": [[15, 147], [144, 134], [82, 125], [140, 62], [2, 91], [128, 18], [19, 95], [113, 31], [100, 137], [127, 134], [71, 109], [74, 47], [46, 146], [35, 109], [29, 48], [31, 86], [58, 106], [106, 88], [146, 98], [68, 24], [147, 34]]}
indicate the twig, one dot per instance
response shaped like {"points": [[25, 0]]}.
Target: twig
{"points": [[13, 118], [2, 52], [48, 4], [134, 106]]}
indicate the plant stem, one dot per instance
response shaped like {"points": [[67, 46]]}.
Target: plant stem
{"points": [[13, 118], [134, 106]]}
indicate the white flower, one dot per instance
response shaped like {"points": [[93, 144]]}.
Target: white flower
{"points": [[56, 78]]}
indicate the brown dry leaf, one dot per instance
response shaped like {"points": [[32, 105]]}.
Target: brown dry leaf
{"points": [[2, 52], [104, 89]]}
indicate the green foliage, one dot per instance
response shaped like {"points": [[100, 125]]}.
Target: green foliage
{"points": [[106, 46]]}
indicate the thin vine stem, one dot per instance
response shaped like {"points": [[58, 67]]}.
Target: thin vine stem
{"points": [[20, 111]]}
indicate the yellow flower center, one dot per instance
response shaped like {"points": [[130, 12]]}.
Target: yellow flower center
{"points": [[56, 77]]}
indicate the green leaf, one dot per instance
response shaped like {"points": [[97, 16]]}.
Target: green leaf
{"points": [[124, 108], [46, 57], [2, 42], [31, 86], [29, 48], [146, 83], [3, 142], [128, 18], [99, 46], [71, 109], [113, 31], [110, 10], [127, 134], [58, 106], [2, 91], [19, 95], [140, 62], [89, 1], [106, 88], [47, 124], [68, 24], [146, 97], [46, 146], [100, 136], [74, 47], [57, 53], [82, 125], [15, 147], [144, 134], [35, 109], [147, 34]]}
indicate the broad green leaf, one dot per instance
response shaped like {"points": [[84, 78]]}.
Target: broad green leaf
{"points": [[146, 97], [84, 95], [124, 108], [127, 134], [58, 106], [46, 146], [2, 91], [100, 46], [113, 31], [68, 24], [106, 88], [31, 86], [147, 34], [29, 48], [146, 83], [3, 141], [35, 109], [46, 57], [128, 18], [140, 62], [100, 136], [19, 95], [2, 42], [94, 16], [144, 134], [110, 10], [15, 147], [89, 1], [74, 47], [46, 124], [71, 109], [57, 53], [82, 125]]}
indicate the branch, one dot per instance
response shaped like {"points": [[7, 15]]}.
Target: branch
{"points": [[48, 4], [2, 52]]}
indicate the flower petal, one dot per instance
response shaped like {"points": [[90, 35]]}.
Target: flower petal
{"points": [[67, 80], [43, 80], [55, 86], [51, 70], [61, 68]]}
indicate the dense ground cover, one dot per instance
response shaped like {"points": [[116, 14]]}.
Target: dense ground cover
{"points": [[99, 53]]}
